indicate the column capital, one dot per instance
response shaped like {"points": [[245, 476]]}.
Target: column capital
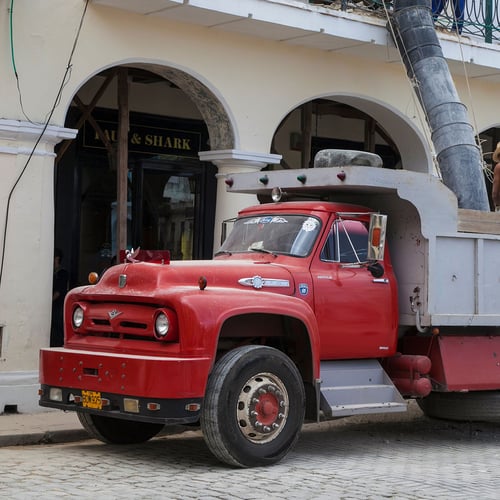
{"points": [[22, 132], [235, 160]]}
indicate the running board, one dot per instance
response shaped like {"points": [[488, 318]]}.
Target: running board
{"points": [[357, 387]]}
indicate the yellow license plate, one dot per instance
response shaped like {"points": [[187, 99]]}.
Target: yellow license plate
{"points": [[92, 399]]}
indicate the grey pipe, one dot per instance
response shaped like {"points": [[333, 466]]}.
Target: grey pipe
{"points": [[458, 154]]}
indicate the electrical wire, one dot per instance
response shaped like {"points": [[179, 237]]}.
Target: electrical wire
{"points": [[57, 100], [13, 59]]}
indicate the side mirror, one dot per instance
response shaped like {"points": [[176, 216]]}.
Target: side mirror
{"points": [[376, 269], [376, 237]]}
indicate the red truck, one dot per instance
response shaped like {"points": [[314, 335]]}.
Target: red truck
{"points": [[303, 314]]}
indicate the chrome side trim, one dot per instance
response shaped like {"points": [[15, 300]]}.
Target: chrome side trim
{"points": [[258, 282]]}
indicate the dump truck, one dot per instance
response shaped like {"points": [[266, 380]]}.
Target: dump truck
{"points": [[351, 290]]}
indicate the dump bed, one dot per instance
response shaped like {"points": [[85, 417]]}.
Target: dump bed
{"points": [[447, 260]]}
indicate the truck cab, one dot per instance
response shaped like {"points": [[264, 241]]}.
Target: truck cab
{"points": [[325, 247]]}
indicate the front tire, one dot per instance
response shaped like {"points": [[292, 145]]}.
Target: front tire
{"points": [[478, 406], [254, 407], [118, 431]]}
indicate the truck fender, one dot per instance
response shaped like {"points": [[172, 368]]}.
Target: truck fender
{"points": [[211, 309]]}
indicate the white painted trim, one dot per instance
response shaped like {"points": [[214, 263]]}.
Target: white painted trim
{"points": [[239, 156], [25, 151], [26, 131]]}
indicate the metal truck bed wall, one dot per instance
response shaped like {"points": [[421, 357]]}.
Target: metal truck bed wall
{"points": [[450, 270]]}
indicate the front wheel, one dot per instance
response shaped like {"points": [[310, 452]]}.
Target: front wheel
{"points": [[118, 431], [254, 407]]}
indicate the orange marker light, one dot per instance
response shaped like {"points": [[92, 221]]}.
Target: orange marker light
{"points": [[93, 278], [376, 234]]}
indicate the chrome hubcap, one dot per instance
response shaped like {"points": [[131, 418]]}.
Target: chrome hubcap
{"points": [[262, 408]]}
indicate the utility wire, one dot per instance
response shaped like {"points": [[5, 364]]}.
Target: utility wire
{"points": [[13, 58], [64, 81]]}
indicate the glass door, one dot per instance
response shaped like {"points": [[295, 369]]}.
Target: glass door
{"points": [[168, 208]]}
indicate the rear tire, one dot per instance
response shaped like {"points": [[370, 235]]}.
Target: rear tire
{"points": [[118, 431], [479, 406], [254, 407]]}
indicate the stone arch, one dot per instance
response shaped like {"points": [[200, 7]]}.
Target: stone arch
{"points": [[220, 124], [220, 128]]}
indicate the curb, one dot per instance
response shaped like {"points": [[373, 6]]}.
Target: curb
{"points": [[48, 437]]}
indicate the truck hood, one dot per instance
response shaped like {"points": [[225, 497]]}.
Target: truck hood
{"points": [[144, 278]]}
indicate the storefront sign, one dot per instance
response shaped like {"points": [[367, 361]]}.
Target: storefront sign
{"points": [[147, 139]]}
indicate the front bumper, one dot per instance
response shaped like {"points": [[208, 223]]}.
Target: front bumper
{"points": [[166, 390], [128, 407]]}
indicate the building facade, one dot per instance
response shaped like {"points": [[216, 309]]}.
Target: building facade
{"points": [[202, 88]]}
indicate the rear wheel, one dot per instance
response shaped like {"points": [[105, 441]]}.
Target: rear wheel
{"points": [[116, 430], [254, 407], [478, 406]]}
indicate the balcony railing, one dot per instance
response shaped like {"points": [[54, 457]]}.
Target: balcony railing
{"points": [[479, 18]]}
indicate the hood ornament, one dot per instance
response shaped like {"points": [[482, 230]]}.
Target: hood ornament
{"points": [[131, 254]]}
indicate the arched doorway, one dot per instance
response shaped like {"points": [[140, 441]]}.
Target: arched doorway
{"points": [[354, 123], [170, 195]]}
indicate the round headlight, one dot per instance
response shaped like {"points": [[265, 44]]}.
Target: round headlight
{"points": [[78, 317], [162, 324]]}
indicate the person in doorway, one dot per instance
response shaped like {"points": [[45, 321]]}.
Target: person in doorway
{"points": [[495, 190], [59, 290], [458, 13]]}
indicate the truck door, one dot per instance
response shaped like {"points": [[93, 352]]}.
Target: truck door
{"points": [[356, 312]]}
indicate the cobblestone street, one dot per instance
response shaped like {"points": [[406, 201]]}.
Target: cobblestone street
{"points": [[397, 456]]}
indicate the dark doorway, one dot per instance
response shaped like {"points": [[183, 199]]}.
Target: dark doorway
{"points": [[173, 207], [170, 199]]}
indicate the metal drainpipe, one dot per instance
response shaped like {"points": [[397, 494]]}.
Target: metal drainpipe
{"points": [[458, 154]]}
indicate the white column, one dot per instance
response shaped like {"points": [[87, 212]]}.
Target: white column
{"points": [[26, 162], [232, 161]]}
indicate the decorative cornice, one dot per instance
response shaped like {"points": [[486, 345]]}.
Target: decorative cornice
{"points": [[15, 129], [237, 158], [9, 150], [22, 131]]}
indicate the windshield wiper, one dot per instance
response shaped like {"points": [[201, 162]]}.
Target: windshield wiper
{"points": [[222, 252]]}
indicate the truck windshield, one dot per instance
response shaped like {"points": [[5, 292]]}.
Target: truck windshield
{"points": [[280, 234]]}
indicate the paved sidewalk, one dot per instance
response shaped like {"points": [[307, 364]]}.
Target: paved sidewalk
{"points": [[45, 427]]}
